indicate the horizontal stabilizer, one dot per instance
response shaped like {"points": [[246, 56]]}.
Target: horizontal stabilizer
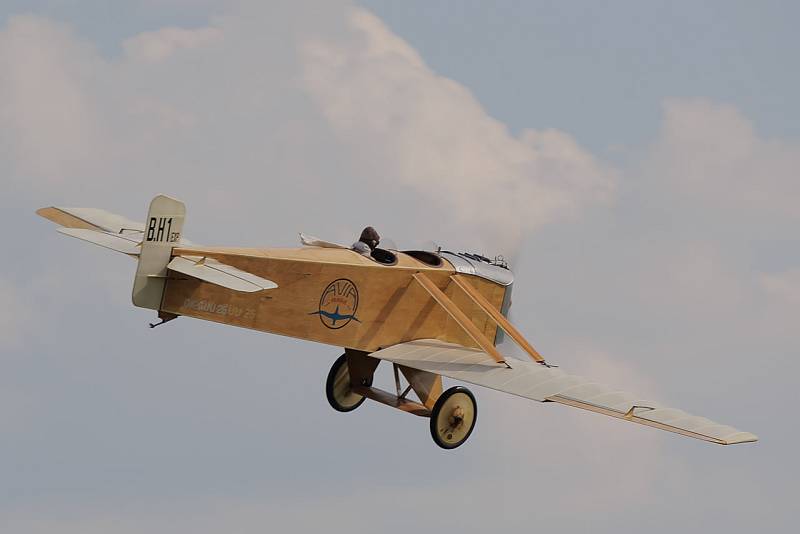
{"points": [[216, 272], [91, 219], [542, 383], [117, 242], [110, 225]]}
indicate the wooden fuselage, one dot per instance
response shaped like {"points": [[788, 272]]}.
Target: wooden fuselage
{"points": [[332, 296]]}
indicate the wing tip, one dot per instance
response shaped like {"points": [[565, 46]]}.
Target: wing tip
{"points": [[48, 212], [740, 437]]}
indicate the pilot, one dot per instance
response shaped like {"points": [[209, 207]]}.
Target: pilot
{"points": [[367, 242]]}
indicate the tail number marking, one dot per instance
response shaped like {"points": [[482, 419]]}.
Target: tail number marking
{"points": [[159, 229]]}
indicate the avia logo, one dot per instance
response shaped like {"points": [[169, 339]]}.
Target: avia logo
{"points": [[338, 304]]}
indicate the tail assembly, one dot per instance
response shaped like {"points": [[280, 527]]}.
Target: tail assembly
{"points": [[152, 244]]}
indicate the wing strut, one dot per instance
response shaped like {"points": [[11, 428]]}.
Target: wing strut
{"points": [[497, 317], [460, 318]]}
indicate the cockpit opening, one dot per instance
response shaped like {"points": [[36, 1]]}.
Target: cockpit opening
{"points": [[384, 256], [428, 258]]}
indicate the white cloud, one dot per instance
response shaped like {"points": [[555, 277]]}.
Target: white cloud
{"points": [[411, 126], [710, 152], [159, 45], [50, 127], [711, 189], [221, 117]]}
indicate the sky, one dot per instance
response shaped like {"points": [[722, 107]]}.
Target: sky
{"points": [[637, 162]]}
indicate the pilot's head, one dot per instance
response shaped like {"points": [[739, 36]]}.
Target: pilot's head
{"points": [[370, 237]]}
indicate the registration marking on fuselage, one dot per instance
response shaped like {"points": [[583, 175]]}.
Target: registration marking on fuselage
{"points": [[225, 310]]}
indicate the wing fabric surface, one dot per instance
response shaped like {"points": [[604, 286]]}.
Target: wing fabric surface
{"points": [[221, 274], [541, 383]]}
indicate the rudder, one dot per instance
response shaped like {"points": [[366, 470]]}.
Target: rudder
{"points": [[162, 232]]}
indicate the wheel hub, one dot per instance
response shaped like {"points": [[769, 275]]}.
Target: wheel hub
{"points": [[456, 417]]}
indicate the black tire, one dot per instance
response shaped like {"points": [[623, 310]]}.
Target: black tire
{"points": [[447, 431], [340, 397]]}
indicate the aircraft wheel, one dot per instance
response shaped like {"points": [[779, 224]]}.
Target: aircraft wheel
{"points": [[453, 417], [338, 389]]}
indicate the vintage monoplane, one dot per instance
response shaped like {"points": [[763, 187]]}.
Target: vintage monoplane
{"points": [[431, 314]]}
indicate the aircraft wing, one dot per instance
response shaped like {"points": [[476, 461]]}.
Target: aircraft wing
{"points": [[539, 382]]}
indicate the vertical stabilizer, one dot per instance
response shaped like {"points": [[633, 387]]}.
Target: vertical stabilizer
{"points": [[162, 231]]}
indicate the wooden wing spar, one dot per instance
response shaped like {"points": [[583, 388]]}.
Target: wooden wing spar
{"points": [[430, 314]]}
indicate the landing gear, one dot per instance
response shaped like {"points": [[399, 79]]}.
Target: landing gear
{"points": [[339, 389], [452, 413], [453, 417]]}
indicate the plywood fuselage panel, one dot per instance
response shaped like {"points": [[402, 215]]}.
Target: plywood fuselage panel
{"points": [[331, 296]]}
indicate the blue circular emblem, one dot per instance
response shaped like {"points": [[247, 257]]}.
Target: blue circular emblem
{"points": [[338, 304]]}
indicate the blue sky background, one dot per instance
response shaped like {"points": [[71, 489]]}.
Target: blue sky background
{"points": [[599, 70], [637, 161], [531, 62]]}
